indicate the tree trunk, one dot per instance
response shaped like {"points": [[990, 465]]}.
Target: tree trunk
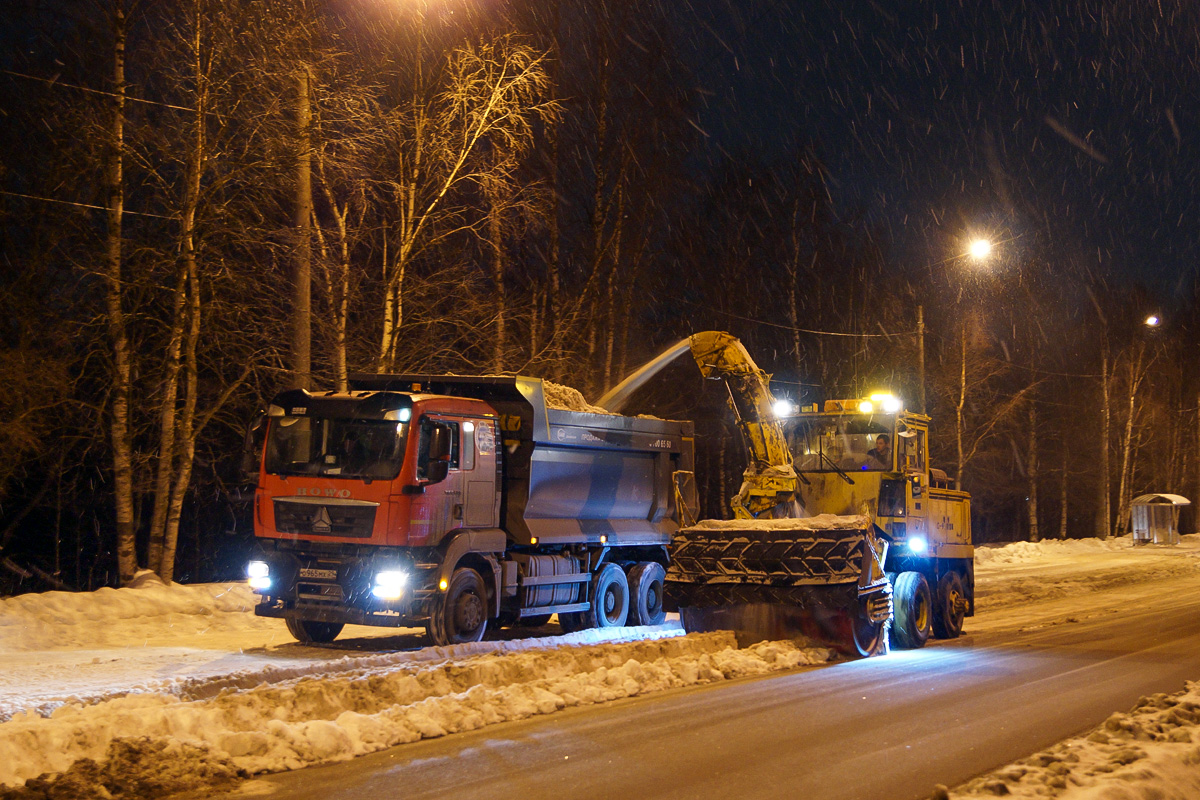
{"points": [[1032, 469], [1124, 495], [1104, 504], [302, 267], [1062, 497], [496, 242], [122, 441], [610, 338], [960, 406]]}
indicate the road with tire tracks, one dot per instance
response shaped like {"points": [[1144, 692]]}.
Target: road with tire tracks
{"points": [[892, 727]]}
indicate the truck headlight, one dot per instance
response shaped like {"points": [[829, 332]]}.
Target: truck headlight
{"points": [[259, 573], [389, 584], [918, 545]]}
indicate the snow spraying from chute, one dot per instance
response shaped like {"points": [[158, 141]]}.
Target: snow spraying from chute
{"points": [[615, 398]]}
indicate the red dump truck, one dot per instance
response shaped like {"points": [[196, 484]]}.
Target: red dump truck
{"points": [[458, 502]]}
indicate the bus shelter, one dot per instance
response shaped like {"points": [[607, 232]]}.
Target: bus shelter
{"points": [[1155, 518]]}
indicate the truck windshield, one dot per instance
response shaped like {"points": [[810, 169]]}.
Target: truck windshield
{"points": [[848, 443], [332, 447]]}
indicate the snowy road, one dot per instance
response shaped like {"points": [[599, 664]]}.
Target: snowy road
{"points": [[893, 727]]}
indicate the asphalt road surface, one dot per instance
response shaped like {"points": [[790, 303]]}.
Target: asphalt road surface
{"points": [[889, 727]]}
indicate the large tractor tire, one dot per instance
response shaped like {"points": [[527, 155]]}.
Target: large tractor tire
{"points": [[610, 598], [914, 611], [310, 632], [949, 607], [646, 594], [460, 614]]}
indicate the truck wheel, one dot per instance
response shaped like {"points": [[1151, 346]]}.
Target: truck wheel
{"points": [[912, 625], [461, 615], [574, 621], [949, 607], [610, 598], [310, 632], [646, 590]]}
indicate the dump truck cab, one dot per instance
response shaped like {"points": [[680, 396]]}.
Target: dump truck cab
{"points": [[871, 456]]}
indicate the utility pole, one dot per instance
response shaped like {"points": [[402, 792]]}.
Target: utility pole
{"points": [[921, 353], [302, 267]]}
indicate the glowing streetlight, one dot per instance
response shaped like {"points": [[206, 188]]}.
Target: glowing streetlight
{"points": [[979, 249], [1153, 321]]}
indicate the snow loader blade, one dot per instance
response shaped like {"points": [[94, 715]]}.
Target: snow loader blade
{"points": [[818, 580]]}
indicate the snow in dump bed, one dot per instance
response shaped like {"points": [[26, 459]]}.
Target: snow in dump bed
{"points": [[567, 399], [821, 522]]}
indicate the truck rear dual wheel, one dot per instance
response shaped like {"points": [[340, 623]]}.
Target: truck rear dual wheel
{"points": [[310, 632], [646, 594], [950, 607], [913, 622], [461, 614]]}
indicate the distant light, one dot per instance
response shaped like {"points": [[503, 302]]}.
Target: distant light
{"points": [[865, 407], [782, 407], [1153, 321], [918, 545], [980, 249], [389, 584]]}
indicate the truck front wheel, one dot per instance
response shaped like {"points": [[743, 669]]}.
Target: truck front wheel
{"points": [[309, 632], [949, 607], [914, 607], [460, 615]]}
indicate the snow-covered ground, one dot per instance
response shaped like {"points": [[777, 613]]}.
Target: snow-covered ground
{"points": [[149, 690]]}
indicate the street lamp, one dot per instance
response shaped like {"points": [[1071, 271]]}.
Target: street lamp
{"points": [[980, 249], [1152, 321]]}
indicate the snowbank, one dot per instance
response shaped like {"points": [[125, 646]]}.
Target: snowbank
{"points": [[151, 611], [339, 715], [1151, 752], [1027, 552]]}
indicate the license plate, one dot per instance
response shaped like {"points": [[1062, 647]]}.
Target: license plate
{"points": [[319, 574]]}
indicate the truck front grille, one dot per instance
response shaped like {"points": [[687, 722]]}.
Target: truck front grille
{"points": [[325, 517]]}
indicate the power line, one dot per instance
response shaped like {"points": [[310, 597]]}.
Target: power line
{"points": [[82, 205], [95, 91], [802, 330]]}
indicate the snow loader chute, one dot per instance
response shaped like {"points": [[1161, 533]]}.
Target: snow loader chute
{"points": [[769, 573]]}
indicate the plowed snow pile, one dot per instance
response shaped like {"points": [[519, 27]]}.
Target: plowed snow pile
{"points": [[138, 731]]}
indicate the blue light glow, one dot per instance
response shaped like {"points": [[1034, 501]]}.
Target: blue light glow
{"points": [[917, 544]]}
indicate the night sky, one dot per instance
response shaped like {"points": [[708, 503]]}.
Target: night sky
{"points": [[1066, 129]]}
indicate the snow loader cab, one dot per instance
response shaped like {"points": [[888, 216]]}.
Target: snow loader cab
{"points": [[916, 509]]}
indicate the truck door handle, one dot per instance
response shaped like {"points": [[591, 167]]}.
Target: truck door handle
{"points": [[452, 491]]}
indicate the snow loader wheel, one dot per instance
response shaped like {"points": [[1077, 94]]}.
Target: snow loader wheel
{"points": [[310, 632], [646, 592], [460, 615], [914, 610], [610, 598], [950, 607]]}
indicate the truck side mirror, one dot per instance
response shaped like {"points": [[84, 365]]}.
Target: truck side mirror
{"points": [[437, 458], [252, 447]]}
